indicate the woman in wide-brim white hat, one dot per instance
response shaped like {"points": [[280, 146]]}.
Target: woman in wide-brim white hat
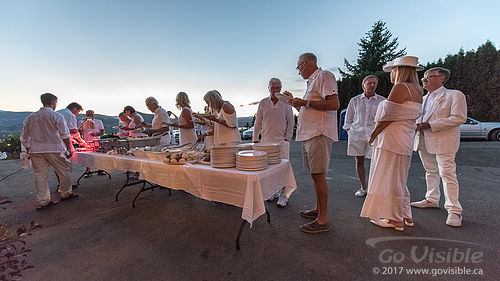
{"points": [[388, 201]]}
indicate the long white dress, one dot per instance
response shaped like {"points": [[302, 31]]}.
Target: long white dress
{"points": [[388, 195], [186, 136]]}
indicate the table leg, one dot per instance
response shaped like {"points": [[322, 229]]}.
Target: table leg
{"points": [[124, 185], [242, 225], [138, 193], [89, 172]]}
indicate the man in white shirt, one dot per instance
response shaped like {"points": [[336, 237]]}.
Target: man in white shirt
{"points": [[158, 126], [317, 129], [359, 123], [274, 120], [90, 128], [44, 133], [69, 114], [437, 141]]}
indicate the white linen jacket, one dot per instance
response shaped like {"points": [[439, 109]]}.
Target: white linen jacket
{"points": [[446, 114]]}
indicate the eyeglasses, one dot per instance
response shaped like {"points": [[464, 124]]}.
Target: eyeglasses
{"points": [[300, 64], [429, 77]]}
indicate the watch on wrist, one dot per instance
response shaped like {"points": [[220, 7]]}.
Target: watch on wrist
{"points": [[307, 103]]}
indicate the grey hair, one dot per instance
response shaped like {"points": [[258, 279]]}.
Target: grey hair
{"points": [[441, 71], [274, 80], [368, 77], [309, 56], [151, 100]]}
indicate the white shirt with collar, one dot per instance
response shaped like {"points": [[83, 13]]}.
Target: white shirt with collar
{"points": [[159, 118], [275, 121], [98, 126], [43, 131], [360, 116], [431, 98], [313, 122], [70, 118]]}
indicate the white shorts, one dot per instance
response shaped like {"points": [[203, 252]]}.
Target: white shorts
{"points": [[359, 148]]}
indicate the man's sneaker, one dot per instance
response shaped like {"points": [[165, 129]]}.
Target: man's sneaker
{"points": [[282, 200], [274, 196], [360, 193], [424, 204], [454, 220]]}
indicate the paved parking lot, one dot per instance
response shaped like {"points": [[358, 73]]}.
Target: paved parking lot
{"points": [[180, 237]]}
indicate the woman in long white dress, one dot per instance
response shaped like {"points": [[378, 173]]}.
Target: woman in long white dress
{"points": [[187, 134], [388, 201], [225, 124]]}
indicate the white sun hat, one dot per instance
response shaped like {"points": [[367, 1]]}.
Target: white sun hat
{"points": [[410, 61]]}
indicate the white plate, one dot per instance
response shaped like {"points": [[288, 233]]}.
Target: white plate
{"points": [[251, 153], [284, 98], [260, 144]]}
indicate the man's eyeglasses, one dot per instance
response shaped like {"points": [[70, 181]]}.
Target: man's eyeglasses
{"points": [[429, 77], [300, 64]]}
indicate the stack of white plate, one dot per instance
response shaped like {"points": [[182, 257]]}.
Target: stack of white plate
{"points": [[245, 146], [223, 156], [251, 160], [273, 150]]}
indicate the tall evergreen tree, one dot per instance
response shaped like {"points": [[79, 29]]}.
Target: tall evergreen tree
{"points": [[375, 49]]}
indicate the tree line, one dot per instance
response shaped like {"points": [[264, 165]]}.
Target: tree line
{"points": [[476, 73]]}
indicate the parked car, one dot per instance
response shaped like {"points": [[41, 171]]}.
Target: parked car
{"points": [[473, 129], [248, 134], [175, 136]]}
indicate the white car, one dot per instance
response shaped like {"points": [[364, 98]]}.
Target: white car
{"points": [[248, 134], [473, 129]]}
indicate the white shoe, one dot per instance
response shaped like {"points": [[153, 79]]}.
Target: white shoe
{"points": [[274, 196], [386, 223], [282, 200], [424, 204], [360, 193], [454, 220]]}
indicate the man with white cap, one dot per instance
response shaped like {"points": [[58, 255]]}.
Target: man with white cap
{"points": [[359, 123], [274, 120], [437, 141]]}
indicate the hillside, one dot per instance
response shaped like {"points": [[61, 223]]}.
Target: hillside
{"points": [[12, 122]]}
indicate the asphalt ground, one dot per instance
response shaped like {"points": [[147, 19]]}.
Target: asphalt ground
{"points": [[181, 237]]}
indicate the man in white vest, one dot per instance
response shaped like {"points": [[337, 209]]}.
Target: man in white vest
{"points": [[437, 141]]}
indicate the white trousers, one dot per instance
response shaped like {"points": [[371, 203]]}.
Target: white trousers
{"points": [[41, 163], [285, 149], [440, 166]]}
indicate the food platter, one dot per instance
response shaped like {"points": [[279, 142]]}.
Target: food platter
{"points": [[183, 163]]}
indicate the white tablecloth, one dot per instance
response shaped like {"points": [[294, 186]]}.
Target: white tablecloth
{"points": [[247, 190]]}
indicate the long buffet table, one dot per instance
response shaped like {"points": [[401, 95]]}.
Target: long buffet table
{"points": [[244, 189]]}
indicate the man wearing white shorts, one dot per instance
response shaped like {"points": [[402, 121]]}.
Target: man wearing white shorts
{"points": [[274, 120], [317, 129], [359, 123]]}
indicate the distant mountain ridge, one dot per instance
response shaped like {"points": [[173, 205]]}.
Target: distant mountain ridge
{"points": [[11, 122]]}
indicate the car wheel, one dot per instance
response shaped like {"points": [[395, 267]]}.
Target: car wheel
{"points": [[495, 135]]}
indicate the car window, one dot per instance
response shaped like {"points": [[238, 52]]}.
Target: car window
{"points": [[470, 121]]}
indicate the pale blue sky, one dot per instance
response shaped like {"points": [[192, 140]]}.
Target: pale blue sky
{"points": [[108, 54]]}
